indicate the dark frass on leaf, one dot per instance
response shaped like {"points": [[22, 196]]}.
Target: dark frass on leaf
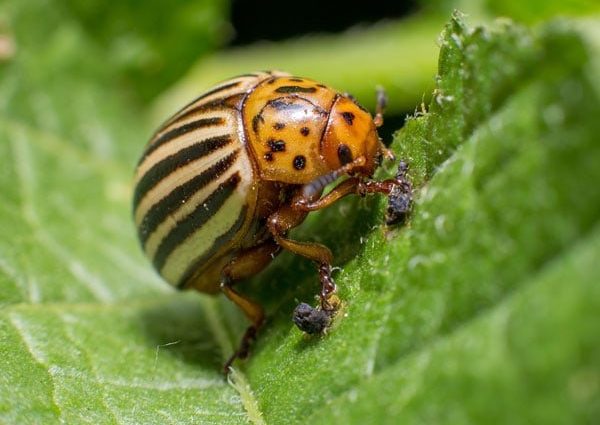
{"points": [[317, 320], [400, 198], [311, 320]]}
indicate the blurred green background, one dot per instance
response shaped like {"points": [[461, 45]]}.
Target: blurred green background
{"points": [[482, 309]]}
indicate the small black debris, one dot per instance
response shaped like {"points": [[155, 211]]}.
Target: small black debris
{"points": [[311, 320]]}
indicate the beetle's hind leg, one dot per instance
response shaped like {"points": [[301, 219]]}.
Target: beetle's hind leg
{"points": [[247, 263]]}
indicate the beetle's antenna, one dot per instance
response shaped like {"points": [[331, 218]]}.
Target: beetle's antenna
{"points": [[315, 187], [380, 108]]}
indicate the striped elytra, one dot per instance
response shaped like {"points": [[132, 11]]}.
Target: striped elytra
{"points": [[224, 179], [194, 185]]}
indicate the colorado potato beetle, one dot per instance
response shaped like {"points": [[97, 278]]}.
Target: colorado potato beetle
{"points": [[223, 180]]}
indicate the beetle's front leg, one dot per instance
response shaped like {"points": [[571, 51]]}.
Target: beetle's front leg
{"points": [[347, 187], [398, 191]]}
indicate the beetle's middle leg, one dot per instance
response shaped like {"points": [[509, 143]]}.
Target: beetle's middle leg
{"points": [[247, 263], [286, 218]]}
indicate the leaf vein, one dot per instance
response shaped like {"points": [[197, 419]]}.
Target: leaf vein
{"points": [[66, 319], [38, 356], [236, 378]]}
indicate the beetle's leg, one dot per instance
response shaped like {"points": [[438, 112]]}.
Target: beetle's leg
{"points": [[398, 191], [246, 264], [372, 186], [380, 108], [307, 199], [287, 218], [347, 187]]}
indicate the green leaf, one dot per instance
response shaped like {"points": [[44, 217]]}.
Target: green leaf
{"points": [[482, 308]]}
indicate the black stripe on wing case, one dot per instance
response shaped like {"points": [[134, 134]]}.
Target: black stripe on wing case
{"points": [[224, 238], [194, 221], [172, 162], [159, 212], [180, 131]]}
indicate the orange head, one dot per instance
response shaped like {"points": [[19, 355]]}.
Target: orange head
{"points": [[351, 139]]}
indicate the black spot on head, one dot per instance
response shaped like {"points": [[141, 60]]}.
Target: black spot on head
{"points": [[296, 80], [295, 89], [276, 145], [299, 162], [278, 126], [305, 131], [323, 86], [255, 121], [344, 154], [268, 156], [348, 117]]}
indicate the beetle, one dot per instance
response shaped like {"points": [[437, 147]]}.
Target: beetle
{"points": [[223, 180]]}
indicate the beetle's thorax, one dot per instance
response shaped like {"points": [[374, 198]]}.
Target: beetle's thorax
{"points": [[295, 127]]}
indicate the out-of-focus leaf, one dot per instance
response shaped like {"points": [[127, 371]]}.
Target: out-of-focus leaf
{"points": [[153, 42]]}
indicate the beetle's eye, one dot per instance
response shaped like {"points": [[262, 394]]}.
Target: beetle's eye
{"points": [[344, 154]]}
